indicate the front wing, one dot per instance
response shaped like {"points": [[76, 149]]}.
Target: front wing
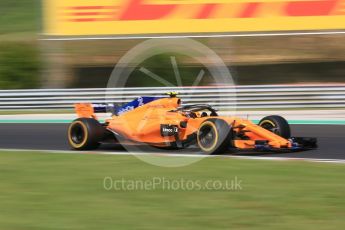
{"points": [[298, 144]]}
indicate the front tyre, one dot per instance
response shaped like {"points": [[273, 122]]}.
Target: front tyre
{"points": [[214, 136], [276, 124], [85, 134]]}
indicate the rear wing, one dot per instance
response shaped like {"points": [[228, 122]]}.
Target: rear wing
{"points": [[89, 110]]}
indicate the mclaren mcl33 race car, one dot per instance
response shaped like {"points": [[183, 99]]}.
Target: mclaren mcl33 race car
{"points": [[164, 123]]}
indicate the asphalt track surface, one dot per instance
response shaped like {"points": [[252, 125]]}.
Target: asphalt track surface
{"points": [[331, 140]]}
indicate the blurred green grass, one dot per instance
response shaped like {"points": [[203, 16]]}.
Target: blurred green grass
{"points": [[64, 191]]}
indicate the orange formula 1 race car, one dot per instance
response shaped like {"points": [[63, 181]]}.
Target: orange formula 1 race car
{"points": [[162, 122]]}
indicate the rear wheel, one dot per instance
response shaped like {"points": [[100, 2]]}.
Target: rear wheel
{"points": [[214, 136], [85, 134], [276, 124]]}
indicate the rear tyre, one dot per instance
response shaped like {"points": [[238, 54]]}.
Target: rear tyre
{"points": [[85, 134], [276, 124], [214, 136]]}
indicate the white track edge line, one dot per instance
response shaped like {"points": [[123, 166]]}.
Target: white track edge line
{"points": [[317, 160]]}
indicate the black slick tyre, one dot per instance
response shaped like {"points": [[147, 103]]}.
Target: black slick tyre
{"points": [[85, 134], [214, 136], [276, 124]]}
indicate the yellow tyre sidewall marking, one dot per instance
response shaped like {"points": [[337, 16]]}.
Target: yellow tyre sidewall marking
{"points": [[74, 145], [216, 134], [267, 121]]}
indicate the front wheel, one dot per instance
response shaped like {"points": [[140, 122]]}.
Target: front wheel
{"points": [[85, 134], [276, 124], [214, 136]]}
